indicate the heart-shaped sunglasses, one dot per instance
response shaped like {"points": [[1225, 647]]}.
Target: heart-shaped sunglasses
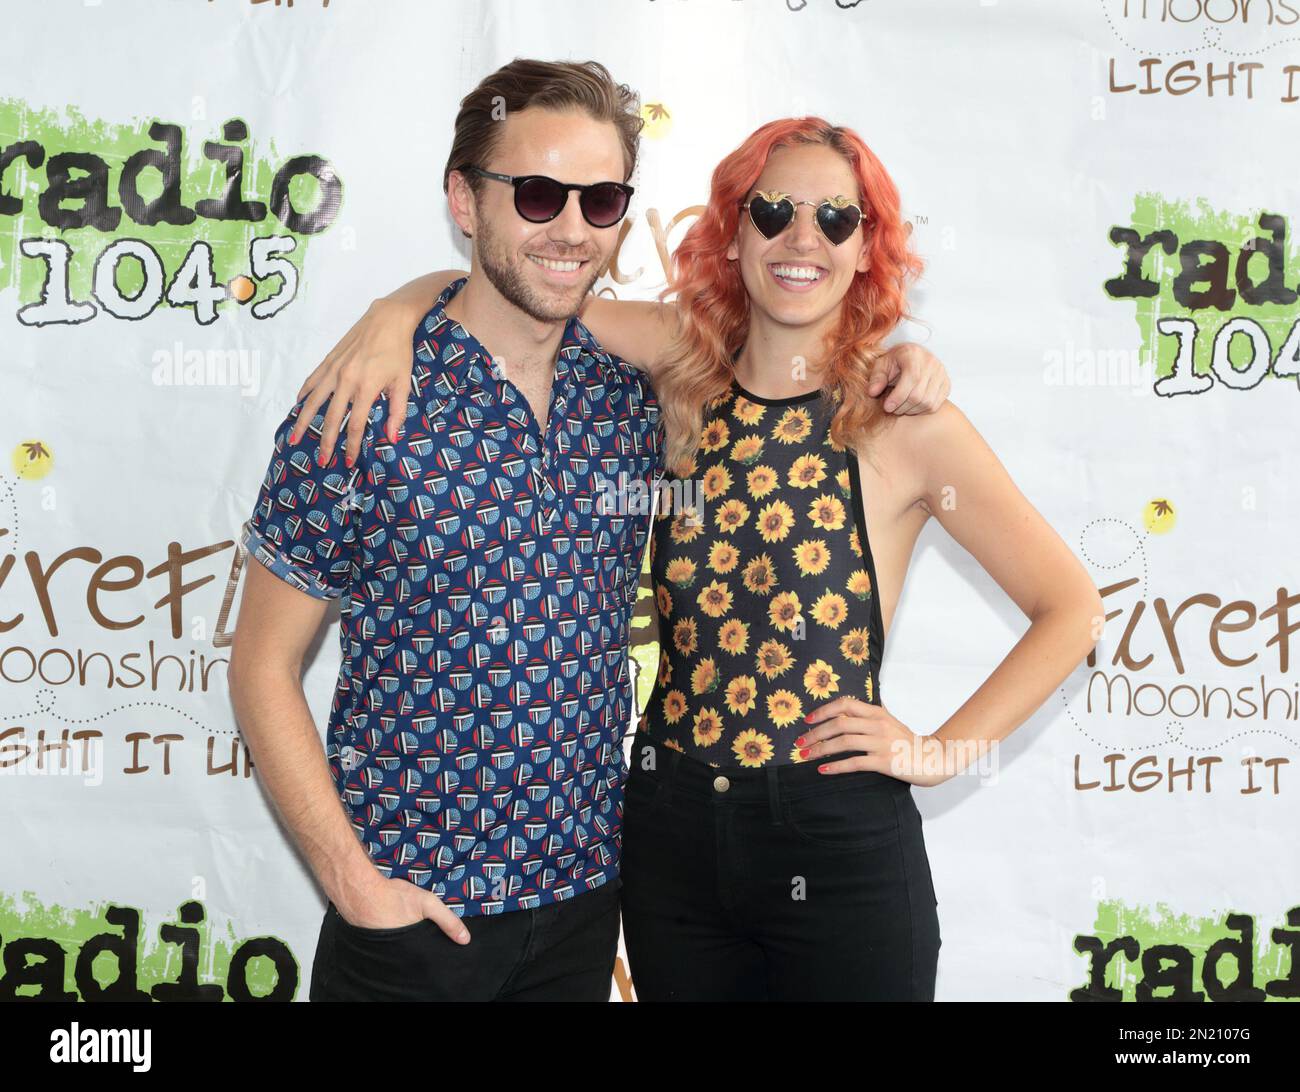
{"points": [[771, 212]]}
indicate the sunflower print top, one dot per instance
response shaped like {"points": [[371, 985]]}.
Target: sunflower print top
{"points": [[764, 583]]}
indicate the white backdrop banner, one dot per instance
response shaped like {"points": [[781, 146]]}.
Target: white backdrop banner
{"points": [[198, 198]]}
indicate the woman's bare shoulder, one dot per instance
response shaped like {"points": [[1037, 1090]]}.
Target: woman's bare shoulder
{"points": [[918, 433], [950, 453], [917, 451]]}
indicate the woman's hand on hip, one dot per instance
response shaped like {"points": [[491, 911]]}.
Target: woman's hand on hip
{"points": [[876, 740]]}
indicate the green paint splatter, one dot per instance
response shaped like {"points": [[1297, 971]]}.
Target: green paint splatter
{"points": [[158, 961], [200, 178], [1151, 212], [1162, 925]]}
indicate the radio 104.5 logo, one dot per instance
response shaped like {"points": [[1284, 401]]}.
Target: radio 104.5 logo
{"points": [[120, 220]]}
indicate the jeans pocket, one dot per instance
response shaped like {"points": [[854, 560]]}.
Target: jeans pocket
{"points": [[851, 818], [366, 932]]}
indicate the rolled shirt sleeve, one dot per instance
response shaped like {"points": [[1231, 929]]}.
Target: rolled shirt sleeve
{"points": [[303, 526]]}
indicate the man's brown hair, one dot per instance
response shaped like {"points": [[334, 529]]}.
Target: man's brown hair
{"points": [[554, 85]]}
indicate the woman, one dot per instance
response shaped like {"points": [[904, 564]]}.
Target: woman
{"points": [[772, 848]]}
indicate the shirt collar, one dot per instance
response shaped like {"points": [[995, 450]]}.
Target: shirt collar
{"points": [[453, 358]]}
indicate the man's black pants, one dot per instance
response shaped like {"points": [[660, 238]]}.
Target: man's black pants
{"points": [[563, 951]]}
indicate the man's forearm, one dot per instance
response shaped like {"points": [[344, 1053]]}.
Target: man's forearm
{"points": [[277, 725]]}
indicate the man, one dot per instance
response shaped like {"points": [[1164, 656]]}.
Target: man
{"points": [[475, 738], [475, 731]]}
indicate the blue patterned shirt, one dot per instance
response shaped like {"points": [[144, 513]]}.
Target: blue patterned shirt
{"points": [[487, 577]]}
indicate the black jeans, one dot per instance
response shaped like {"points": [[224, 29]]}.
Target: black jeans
{"points": [[563, 951], [775, 883]]}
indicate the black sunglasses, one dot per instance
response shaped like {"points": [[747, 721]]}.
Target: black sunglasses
{"points": [[771, 212], [539, 199]]}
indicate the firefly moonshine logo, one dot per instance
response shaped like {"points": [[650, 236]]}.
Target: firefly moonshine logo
{"points": [[1215, 295], [118, 221], [1187, 51]]}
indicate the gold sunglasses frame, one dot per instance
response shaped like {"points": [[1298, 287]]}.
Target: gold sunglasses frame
{"points": [[775, 197]]}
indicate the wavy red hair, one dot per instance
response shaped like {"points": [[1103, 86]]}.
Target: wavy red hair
{"points": [[712, 306]]}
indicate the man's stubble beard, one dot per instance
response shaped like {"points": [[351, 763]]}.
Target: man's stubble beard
{"points": [[508, 279]]}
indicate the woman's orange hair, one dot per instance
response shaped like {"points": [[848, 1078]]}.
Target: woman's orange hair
{"points": [[712, 305]]}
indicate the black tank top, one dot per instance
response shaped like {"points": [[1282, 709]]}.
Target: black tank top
{"points": [[767, 605]]}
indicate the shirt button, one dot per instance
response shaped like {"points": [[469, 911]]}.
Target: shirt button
{"points": [[346, 755], [721, 784]]}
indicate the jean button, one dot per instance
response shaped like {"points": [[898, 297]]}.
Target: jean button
{"points": [[721, 784]]}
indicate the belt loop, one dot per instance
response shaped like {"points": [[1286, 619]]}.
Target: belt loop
{"points": [[774, 796]]}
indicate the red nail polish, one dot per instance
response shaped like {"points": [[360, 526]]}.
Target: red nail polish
{"points": [[807, 718], [821, 769], [799, 742], [350, 460], [804, 753]]}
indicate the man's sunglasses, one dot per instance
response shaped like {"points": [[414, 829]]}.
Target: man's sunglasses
{"points": [[539, 199], [771, 212]]}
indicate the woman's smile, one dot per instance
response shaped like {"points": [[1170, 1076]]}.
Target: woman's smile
{"points": [[797, 276]]}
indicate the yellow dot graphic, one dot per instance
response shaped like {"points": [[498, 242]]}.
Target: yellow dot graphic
{"points": [[1159, 516], [657, 120], [33, 459]]}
